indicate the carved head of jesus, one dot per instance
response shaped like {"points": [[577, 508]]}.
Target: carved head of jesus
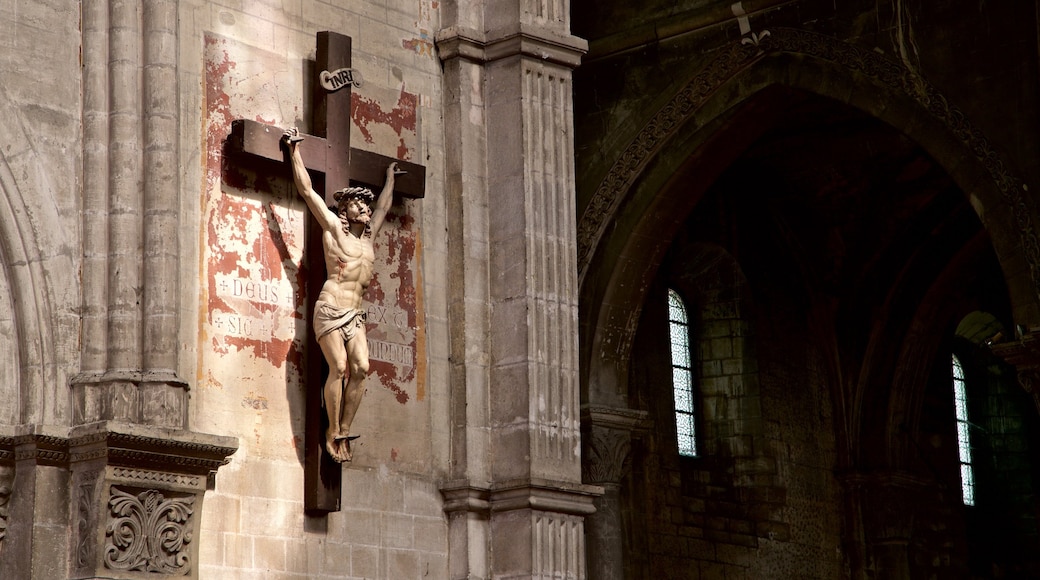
{"points": [[353, 204]]}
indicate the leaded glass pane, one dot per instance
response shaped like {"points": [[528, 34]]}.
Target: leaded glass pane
{"points": [[967, 484], [680, 349], [958, 371], [676, 310], [963, 443], [684, 430], [962, 409], [960, 402], [683, 396]]}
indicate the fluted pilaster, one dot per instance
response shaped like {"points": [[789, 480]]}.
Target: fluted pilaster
{"points": [[518, 506]]}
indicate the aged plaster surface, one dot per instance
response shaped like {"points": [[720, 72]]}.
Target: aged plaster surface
{"points": [[253, 270]]}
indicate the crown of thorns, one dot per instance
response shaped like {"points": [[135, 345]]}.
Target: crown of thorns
{"points": [[348, 193]]}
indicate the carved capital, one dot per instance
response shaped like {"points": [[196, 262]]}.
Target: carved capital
{"points": [[607, 442], [606, 456], [154, 397]]}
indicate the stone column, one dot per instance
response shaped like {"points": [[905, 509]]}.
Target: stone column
{"points": [[130, 223], [607, 446], [887, 505], [516, 503], [37, 532]]}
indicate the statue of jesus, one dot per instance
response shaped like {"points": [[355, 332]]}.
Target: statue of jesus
{"points": [[339, 320]]}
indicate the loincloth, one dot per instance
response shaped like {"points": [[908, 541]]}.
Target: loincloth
{"points": [[329, 318]]}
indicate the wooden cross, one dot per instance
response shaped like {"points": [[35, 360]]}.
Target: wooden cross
{"points": [[326, 152]]}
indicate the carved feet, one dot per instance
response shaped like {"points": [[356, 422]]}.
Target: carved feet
{"points": [[339, 446]]}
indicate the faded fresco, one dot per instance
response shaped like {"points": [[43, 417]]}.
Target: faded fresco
{"points": [[253, 266]]}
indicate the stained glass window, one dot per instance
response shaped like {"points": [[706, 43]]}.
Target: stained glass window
{"points": [[960, 400], [682, 377]]}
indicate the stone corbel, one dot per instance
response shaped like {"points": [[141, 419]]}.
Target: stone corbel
{"points": [[1024, 355], [541, 495]]}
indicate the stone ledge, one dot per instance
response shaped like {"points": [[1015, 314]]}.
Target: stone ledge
{"points": [[536, 494], [123, 444], [524, 40]]}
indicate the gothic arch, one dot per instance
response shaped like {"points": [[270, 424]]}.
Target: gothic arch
{"points": [[33, 273], [623, 230]]}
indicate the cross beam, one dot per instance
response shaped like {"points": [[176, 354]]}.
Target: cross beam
{"points": [[365, 167]]}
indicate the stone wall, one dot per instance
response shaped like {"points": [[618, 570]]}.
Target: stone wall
{"points": [[760, 499], [256, 62]]}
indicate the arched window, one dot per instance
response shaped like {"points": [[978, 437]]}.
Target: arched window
{"points": [[682, 377], [960, 399]]}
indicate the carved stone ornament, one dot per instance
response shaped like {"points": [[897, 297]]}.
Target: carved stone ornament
{"points": [[606, 456], [149, 532], [608, 442], [736, 57], [6, 486]]}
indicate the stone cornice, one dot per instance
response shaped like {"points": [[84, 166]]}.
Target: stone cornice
{"points": [[524, 40], [122, 444], [460, 496], [536, 494], [138, 377], [615, 418]]}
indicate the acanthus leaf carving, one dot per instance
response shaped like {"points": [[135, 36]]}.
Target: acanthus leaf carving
{"points": [[149, 532], [606, 457]]}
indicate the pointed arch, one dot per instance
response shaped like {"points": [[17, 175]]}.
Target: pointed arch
{"points": [[36, 274], [635, 208]]}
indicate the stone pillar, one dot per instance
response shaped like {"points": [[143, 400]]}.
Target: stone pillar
{"points": [[516, 500], [886, 510], [37, 534], [131, 227], [106, 500], [607, 446]]}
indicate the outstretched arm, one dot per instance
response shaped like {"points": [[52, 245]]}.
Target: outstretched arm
{"points": [[326, 218], [382, 205]]}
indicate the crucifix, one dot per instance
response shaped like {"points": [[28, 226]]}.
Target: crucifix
{"points": [[327, 154]]}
